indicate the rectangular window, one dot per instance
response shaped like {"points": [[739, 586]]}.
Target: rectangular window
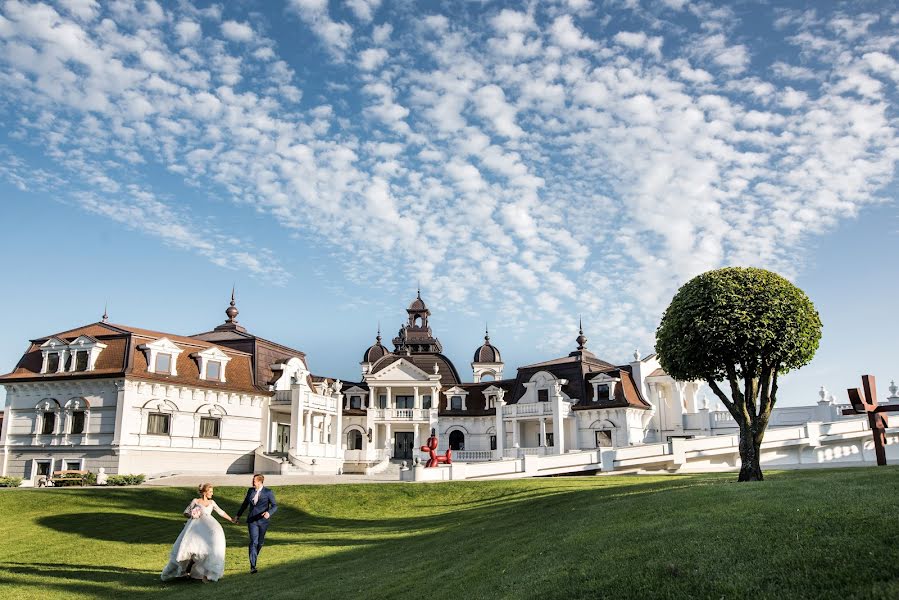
{"points": [[456, 403], [426, 401], [53, 362], [209, 427], [78, 422], [214, 370], [355, 401], [81, 360], [603, 439], [493, 442], [49, 423], [158, 424], [382, 401], [602, 393], [163, 363], [405, 401], [543, 395], [73, 465], [549, 439]]}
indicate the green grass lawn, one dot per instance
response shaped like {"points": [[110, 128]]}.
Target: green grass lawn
{"points": [[800, 534]]}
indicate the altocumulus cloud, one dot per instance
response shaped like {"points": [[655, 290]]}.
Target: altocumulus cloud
{"points": [[562, 158]]}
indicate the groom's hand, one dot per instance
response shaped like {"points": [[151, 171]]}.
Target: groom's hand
{"points": [[265, 515], [235, 520]]}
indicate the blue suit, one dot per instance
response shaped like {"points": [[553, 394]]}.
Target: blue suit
{"points": [[256, 523]]}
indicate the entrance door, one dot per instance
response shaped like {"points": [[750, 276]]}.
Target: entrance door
{"points": [[282, 439], [403, 448]]}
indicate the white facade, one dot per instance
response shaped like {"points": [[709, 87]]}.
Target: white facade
{"points": [[116, 435]]}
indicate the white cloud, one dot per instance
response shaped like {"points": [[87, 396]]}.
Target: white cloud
{"points": [[187, 32], [237, 32], [566, 34], [364, 9], [335, 35], [372, 58], [640, 41]]}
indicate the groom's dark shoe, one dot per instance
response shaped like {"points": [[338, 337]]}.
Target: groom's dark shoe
{"points": [[253, 571]]}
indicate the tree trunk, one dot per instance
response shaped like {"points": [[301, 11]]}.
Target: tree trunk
{"points": [[750, 455]]}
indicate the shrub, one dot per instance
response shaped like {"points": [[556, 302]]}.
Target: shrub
{"points": [[125, 479], [10, 481], [90, 478]]}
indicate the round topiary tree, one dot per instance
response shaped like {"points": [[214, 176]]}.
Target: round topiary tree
{"points": [[745, 326]]}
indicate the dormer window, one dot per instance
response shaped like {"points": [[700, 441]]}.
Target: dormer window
{"points": [[163, 363], [80, 360], [542, 395], [456, 403], [602, 393], [214, 370], [212, 363], [52, 362], [162, 356]]}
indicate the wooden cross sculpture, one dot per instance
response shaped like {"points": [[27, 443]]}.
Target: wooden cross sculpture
{"points": [[864, 401]]}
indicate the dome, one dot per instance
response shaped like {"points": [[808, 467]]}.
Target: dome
{"points": [[418, 304], [487, 353], [376, 351]]}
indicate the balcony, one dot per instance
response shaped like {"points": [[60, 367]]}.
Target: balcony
{"points": [[534, 409], [401, 414], [314, 401]]}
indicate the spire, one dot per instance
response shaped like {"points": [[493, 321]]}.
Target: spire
{"points": [[105, 317], [581, 338], [378, 337], [232, 311], [486, 333]]}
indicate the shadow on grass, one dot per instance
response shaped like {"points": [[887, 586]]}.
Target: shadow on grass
{"points": [[643, 538]]}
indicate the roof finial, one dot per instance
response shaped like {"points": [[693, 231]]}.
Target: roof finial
{"points": [[232, 311], [378, 337], [581, 339], [418, 288], [105, 317], [486, 332]]}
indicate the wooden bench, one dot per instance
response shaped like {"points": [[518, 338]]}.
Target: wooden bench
{"points": [[69, 477]]}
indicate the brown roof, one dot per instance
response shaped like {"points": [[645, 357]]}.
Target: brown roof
{"points": [[122, 357], [448, 374]]}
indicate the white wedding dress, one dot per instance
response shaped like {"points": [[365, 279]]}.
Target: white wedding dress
{"points": [[200, 548]]}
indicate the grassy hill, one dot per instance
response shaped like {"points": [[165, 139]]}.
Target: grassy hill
{"points": [[805, 534]]}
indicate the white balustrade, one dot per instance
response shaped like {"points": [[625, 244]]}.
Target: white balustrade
{"points": [[472, 455]]}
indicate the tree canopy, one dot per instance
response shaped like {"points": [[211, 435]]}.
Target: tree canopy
{"points": [[745, 326]]}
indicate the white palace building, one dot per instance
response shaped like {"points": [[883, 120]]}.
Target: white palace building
{"points": [[133, 400]]}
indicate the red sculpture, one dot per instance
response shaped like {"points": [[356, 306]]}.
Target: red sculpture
{"points": [[864, 401], [431, 450]]}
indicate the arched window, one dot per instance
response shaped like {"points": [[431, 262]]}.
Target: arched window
{"points": [[354, 440], [488, 377], [457, 440], [49, 423]]}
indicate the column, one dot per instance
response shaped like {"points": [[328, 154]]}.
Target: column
{"points": [[416, 442], [558, 426], [307, 437], [389, 397], [372, 397], [119, 413], [516, 433], [296, 420], [266, 426], [435, 398], [543, 432], [500, 429], [346, 402], [388, 434], [417, 400], [338, 450]]}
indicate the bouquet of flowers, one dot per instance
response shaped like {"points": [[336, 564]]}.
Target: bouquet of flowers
{"points": [[196, 512]]}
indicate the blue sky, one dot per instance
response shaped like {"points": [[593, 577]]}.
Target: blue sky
{"points": [[528, 163]]}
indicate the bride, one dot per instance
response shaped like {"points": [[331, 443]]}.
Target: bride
{"points": [[199, 551]]}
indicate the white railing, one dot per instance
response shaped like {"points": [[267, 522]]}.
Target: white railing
{"points": [[401, 414], [530, 409], [323, 402], [472, 455], [281, 397], [377, 455]]}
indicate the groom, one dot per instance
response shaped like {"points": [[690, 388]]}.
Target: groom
{"points": [[261, 501]]}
